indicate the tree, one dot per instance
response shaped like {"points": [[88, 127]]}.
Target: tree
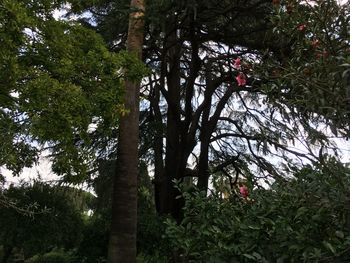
{"points": [[188, 62], [93, 247], [224, 95], [195, 100], [60, 86], [60, 89], [194, 78], [122, 242]]}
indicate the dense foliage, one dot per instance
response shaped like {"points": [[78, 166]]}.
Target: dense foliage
{"points": [[60, 86], [309, 80], [54, 219], [303, 219]]}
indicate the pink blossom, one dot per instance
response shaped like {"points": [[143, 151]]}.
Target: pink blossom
{"points": [[237, 63], [243, 190], [301, 27], [241, 79]]}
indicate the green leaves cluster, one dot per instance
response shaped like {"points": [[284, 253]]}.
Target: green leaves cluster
{"points": [[309, 78], [58, 85], [55, 221], [304, 219]]}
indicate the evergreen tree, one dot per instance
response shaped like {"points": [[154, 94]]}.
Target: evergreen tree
{"points": [[209, 92]]}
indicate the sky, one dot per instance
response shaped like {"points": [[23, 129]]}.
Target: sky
{"points": [[42, 168]]}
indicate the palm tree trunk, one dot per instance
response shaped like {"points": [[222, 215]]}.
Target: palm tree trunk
{"points": [[122, 242]]}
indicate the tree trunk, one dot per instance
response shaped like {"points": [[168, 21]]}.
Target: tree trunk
{"points": [[172, 156], [208, 125], [122, 242], [205, 133], [203, 166], [176, 135], [158, 150]]}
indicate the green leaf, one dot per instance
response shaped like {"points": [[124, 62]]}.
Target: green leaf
{"points": [[329, 246], [339, 234], [249, 256]]}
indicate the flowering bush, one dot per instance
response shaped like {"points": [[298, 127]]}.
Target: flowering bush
{"points": [[243, 190], [304, 219], [310, 71]]}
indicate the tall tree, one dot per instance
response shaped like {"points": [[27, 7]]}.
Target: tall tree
{"points": [[58, 79], [193, 83], [122, 243], [205, 119]]}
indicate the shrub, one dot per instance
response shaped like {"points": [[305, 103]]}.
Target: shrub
{"points": [[304, 219]]}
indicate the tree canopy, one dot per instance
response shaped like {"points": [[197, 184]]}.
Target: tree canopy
{"points": [[59, 85], [248, 94], [207, 114]]}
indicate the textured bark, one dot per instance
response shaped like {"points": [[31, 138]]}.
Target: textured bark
{"points": [[122, 243]]}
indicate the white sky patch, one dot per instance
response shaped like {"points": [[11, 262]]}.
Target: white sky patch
{"points": [[42, 169], [312, 2], [60, 13], [343, 2]]}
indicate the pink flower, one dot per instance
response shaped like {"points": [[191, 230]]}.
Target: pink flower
{"points": [[301, 27], [243, 190], [241, 79], [237, 63]]}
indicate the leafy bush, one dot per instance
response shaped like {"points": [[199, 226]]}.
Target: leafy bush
{"points": [[55, 222], [304, 219], [150, 231], [93, 246]]}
